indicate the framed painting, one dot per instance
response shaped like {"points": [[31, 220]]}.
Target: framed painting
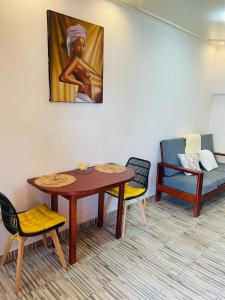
{"points": [[75, 50]]}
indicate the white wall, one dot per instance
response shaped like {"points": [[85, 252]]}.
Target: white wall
{"points": [[157, 84], [217, 117], [217, 122], [219, 74]]}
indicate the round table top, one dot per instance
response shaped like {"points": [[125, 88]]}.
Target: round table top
{"points": [[87, 183]]}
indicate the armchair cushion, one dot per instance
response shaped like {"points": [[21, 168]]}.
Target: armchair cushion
{"points": [[208, 160], [170, 150], [207, 142], [221, 167], [215, 175], [188, 183]]}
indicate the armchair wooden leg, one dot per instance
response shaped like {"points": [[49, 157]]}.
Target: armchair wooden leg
{"points": [[106, 208], [124, 219], [45, 241], [157, 196], [198, 195], [159, 180], [197, 209], [21, 241], [7, 248], [58, 248], [142, 211]]}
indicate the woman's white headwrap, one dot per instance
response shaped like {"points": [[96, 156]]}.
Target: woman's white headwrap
{"points": [[73, 33]]}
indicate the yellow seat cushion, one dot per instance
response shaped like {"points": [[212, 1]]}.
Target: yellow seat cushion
{"points": [[39, 218], [128, 192]]}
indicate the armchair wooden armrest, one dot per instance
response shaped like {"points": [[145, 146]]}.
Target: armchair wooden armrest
{"points": [[219, 154], [178, 168]]}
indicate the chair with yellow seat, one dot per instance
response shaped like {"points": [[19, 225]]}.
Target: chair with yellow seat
{"points": [[36, 221], [134, 190]]}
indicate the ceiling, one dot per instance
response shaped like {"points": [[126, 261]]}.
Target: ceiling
{"points": [[203, 18]]}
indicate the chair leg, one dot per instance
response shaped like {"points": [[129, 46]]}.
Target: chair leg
{"points": [[21, 241], [58, 248], [124, 219], [7, 248], [142, 211], [45, 241], [145, 202], [108, 202]]}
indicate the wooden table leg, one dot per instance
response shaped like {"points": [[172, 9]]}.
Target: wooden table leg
{"points": [[100, 209], [54, 202], [120, 211], [73, 230]]}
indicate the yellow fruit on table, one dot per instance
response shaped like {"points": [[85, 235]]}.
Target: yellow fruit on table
{"points": [[82, 166]]}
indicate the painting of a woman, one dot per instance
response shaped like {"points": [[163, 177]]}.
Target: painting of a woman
{"points": [[76, 60], [76, 72]]}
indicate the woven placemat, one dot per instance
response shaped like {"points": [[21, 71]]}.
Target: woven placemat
{"points": [[55, 180], [110, 168]]}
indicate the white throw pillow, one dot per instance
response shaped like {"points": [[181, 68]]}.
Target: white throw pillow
{"points": [[207, 160], [190, 161]]}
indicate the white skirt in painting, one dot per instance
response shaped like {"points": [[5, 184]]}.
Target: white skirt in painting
{"points": [[83, 98]]}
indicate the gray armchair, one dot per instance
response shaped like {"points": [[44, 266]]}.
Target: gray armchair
{"points": [[172, 180]]}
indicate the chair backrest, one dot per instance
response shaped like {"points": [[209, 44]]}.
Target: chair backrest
{"points": [[141, 169], [9, 215]]}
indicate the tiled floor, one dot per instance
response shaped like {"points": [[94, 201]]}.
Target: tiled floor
{"points": [[175, 256]]}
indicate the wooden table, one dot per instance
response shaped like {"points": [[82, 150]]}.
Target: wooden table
{"points": [[88, 184]]}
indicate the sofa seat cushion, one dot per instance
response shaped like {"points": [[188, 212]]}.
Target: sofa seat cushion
{"points": [[221, 167], [215, 175], [188, 183]]}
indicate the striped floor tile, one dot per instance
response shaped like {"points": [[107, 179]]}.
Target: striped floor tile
{"points": [[174, 256]]}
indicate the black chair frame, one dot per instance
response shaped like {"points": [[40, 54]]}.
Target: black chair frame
{"points": [[141, 168]]}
